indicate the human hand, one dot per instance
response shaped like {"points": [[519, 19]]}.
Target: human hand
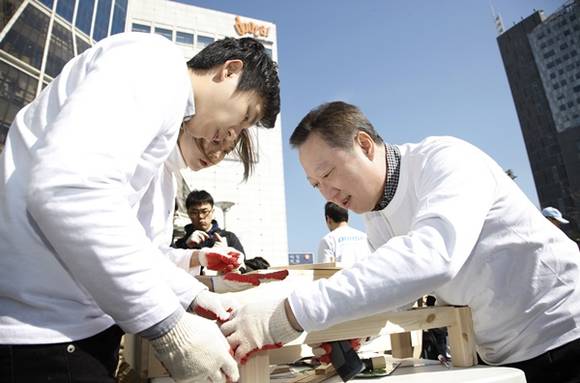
{"points": [[323, 351], [258, 326], [213, 306], [220, 258], [220, 241], [197, 237], [196, 350], [232, 282]]}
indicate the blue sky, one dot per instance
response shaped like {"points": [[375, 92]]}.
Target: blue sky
{"points": [[415, 68]]}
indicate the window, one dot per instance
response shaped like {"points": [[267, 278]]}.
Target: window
{"points": [[184, 38], [65, 8], [82, 45], [16, 90], [549, 54], [102, 19], [140, 28], [167, 33], [26, 39], [60, 50], [85, 15], [204, 41], [119, 16]]}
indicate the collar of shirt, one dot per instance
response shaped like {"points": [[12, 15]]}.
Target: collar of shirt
{"points": [[393, 160]]}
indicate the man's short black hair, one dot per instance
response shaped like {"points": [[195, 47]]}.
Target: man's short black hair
{"points": [[335, 212], [198, 197], [260, 72], [337, 123]]}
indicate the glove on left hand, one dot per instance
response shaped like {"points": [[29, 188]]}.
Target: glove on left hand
{"points": [[232, 282]]}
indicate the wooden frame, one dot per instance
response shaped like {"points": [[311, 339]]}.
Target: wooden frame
{"points": [[456, 319]]}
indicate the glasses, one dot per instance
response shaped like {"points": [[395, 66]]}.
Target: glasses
{"points": [[201, 213]]}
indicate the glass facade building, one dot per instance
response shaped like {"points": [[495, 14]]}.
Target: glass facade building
{"points": [[37, 38], [542, 63]]}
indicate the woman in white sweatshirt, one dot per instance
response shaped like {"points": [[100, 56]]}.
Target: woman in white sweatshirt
{"points": [[442, 218], [78, 252]]}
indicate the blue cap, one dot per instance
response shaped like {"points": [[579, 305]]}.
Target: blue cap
{"points": [[552, 212]]}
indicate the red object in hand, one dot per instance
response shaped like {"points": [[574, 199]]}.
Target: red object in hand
{"points": [[220, 262], [276, 275], [256, 278], [327, 347]]}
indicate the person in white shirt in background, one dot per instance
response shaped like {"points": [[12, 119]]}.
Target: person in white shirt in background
{"points": [[344, 244], [444, 219], [87, 192]]}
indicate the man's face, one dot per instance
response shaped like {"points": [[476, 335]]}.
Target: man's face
{"points": [[201, 216], [348, 178], [222, 112]]}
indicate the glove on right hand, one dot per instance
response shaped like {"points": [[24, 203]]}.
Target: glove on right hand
{"points": [[196, 351], [220, 258]]}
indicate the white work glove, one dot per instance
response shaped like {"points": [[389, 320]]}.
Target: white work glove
{"points": [[220, 258], [232, 282], [258, 326], [196, 351], [213, 306], [197, 237]]}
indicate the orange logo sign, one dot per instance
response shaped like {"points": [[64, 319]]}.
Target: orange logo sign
{"points": [[249, 27]]}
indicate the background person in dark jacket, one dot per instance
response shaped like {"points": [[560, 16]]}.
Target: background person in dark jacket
{"points": [[204, 231]]}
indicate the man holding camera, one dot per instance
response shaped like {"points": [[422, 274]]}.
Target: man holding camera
{"points": [[204, 230]]}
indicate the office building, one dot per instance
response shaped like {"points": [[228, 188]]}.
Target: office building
{"points": [[38, 37], [542, 63]]}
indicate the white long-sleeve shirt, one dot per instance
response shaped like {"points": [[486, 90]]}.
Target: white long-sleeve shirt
{"points": [[459, 227], [74, 256]]}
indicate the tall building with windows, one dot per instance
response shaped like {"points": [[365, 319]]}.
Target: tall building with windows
{"points": [[37, 37], [541, 56]]}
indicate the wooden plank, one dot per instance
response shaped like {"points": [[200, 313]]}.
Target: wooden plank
{"points": [[384, 324], [401, 345], [256, 369], [462, 339]]}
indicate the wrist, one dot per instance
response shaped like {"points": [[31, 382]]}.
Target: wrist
{"points": [[291, 317], [194, 260]]}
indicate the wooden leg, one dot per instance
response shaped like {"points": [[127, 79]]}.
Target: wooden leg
{"points": [[401, 345], [256, 369], [461, 339]]}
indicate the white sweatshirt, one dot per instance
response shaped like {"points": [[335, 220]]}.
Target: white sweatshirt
{"points": [[459, 227], [344, 245], [78, 161]]}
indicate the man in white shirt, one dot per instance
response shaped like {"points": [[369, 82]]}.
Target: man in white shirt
{"points": [[86, 194], [442, 218], [344, 244]]}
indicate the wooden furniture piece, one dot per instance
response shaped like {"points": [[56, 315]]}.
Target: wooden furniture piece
{"points": [[456, 319]]}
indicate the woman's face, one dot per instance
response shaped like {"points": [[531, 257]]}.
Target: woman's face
{"points": [[199, 153]]}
